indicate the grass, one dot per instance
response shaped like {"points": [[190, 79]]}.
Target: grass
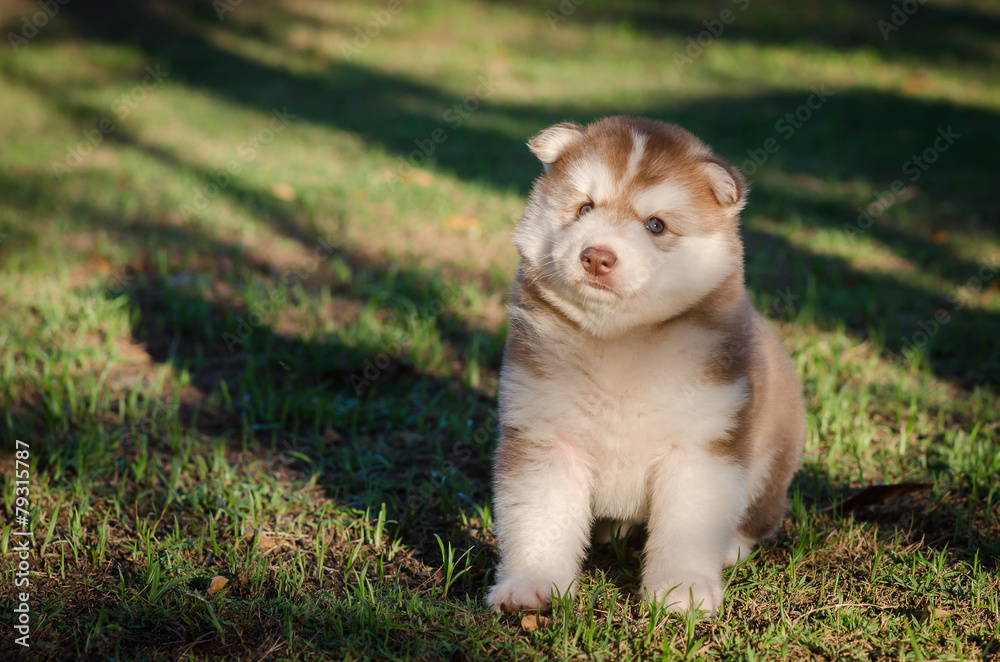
{"points": [[284, 373]]}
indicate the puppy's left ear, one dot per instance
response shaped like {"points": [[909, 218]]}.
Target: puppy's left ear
{"points": [[549, 145], [728, 184]]}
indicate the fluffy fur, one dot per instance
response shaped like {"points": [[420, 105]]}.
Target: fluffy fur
{"points": [[643, 390]]}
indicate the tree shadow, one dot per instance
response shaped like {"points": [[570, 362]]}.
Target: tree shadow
{"points": [[858, 140], [949, 34], [855, 136]]}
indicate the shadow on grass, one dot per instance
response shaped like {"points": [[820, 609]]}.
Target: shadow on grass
{"points": [[857, 136], [857, 139], [916, 32]]}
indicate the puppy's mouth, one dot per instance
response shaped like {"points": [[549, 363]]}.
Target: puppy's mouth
{"points": [[593, 284]]}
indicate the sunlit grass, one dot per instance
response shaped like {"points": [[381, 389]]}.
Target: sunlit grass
{"points": [[207, 395]]}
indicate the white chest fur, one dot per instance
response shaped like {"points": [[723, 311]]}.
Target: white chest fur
{"points": [[621, 406]]}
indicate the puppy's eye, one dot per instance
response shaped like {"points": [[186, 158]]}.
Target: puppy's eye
{"points": [[655, 225], [584, 208]]}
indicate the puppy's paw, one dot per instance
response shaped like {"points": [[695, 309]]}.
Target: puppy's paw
{"points": [[700, 592], [520, 593], [739, 550]]}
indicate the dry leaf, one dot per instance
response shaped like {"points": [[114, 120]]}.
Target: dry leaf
{"points": [[331, 436], [939, 236], [535, 621], [218, 583], [876, 494], [917, 82], [463, 222], [931, 613], [283, 192], [419, 177], [264, 541], [98, 263]]}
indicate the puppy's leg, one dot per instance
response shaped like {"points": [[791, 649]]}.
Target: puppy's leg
{"points": [[542, 512], [695, 506]]}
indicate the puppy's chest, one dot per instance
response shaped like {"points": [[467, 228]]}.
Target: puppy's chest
{"points": [[628, 397]]}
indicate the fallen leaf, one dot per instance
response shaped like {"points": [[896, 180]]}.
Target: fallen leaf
{"points": [[931, 613], [182, 279], [331, 436], [463, 222], [535, 621], [283, 192], [419, 177], [875, 494], [264, 541], [98, 263], [221, 289], [917, 82], [218, 583], [939, 236], [411, 437]]}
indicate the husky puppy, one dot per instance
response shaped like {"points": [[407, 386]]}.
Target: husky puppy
{"points": [[639, 385]]}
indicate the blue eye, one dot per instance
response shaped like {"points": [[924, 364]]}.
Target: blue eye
{"points": [[655, 225]]}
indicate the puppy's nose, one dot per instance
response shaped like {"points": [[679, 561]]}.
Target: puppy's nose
{"points": [[598, 261]]}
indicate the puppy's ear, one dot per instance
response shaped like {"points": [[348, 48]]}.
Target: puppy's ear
{"points": [[549, 145], [728, 184]]}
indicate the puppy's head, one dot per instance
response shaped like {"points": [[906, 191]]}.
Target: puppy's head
{"points": [[633, 222]]}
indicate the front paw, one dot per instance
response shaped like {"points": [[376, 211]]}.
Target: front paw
{"points": [[685, 592], [522, 593]]}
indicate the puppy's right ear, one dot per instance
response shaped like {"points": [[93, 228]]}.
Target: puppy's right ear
{"points": [[549, 145]]}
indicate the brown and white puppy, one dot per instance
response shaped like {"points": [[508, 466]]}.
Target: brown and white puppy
{"points": [[639, 385]]}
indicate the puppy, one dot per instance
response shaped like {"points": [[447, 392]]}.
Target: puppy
{"points": [[639, 385]]}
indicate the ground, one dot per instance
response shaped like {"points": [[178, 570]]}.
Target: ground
{"points": [[253, 261]]}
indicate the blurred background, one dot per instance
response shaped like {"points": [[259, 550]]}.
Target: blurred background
{"points": [[254, 256]]}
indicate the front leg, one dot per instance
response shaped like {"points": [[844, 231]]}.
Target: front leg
{"points": [[696, 503], [541, 507]]}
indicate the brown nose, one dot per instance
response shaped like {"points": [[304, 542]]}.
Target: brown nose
{"points": [[598, 261]]}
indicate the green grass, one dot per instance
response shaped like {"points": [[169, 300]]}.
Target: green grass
{"points": [[203, 396]]}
